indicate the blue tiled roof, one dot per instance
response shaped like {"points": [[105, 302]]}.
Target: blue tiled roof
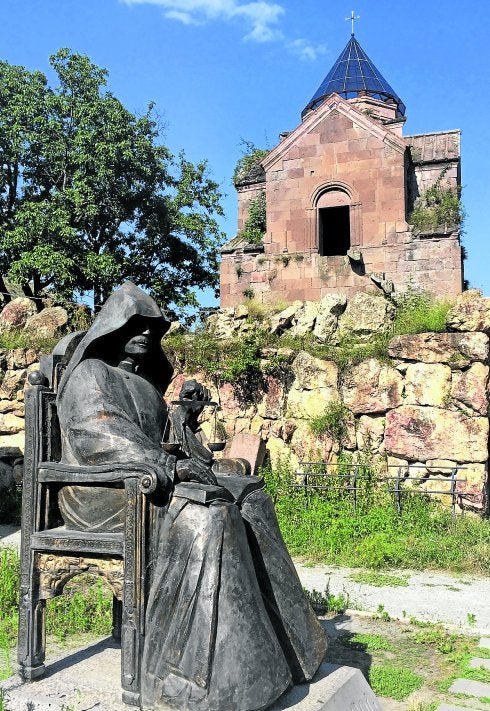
{"points": [[352, 73]]}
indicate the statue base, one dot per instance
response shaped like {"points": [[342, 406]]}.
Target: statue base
{"points": [[333, 688], [90, 677]]}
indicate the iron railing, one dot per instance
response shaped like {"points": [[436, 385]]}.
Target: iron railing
{"points": [[356, 478]]}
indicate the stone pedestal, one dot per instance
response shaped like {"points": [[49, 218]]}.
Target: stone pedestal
{"points": [[89, 678], [334, 688]]}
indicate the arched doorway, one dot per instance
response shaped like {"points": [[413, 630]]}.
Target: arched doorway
{"points": [[337, 220]]}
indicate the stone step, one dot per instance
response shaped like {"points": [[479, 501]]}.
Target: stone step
{"points": [[470, 687], [478, 662], [484, 643]]}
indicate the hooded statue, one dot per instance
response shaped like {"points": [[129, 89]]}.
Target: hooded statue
{"points": [[103, 403], [227, 624]]}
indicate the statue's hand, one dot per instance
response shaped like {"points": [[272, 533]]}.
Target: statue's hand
{"points": [[194, 470]]}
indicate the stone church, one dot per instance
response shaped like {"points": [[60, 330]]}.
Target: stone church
{"points": [[339, 192]]}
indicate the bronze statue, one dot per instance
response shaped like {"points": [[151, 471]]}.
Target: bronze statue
{"points": [[227, 624]]}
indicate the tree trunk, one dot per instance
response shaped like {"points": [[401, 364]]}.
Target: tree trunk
{"points": [[6, 298], [26, 288]]}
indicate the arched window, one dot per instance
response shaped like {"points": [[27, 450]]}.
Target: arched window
{"points": [[337, 219]]}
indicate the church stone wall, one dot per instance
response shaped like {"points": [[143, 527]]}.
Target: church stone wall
{"points": [[427, 264]]}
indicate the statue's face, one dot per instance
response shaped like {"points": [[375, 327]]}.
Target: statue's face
{"points": [[139, 341]]}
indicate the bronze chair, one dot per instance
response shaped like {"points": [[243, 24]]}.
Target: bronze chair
{"points": [[51, 554]]}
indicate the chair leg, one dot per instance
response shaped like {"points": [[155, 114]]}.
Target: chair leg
{"points": [[116, 618], [32, 640]]}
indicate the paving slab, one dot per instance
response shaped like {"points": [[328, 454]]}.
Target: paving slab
{"points": [[470, 687], [450, 707], [484, 643], [88, 679], [10, 536], [478, 662]]}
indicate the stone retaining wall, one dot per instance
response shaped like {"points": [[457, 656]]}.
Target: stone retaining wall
{"points": [[425, 410]]}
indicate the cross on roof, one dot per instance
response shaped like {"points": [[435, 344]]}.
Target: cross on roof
{"points": [[352, 18]]}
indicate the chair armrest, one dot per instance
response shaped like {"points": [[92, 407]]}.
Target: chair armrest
{"points": [[56, 472]]}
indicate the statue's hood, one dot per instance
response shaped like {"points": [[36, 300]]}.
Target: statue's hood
{"points": [[100, 341]]}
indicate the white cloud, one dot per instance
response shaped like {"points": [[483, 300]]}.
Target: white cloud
{"points": [[184, 17], [260, 18], [306, 50]]}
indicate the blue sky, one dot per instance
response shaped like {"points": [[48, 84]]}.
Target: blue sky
{"points": [[225, 70]]}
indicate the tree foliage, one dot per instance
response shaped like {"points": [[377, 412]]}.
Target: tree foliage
{"points": [[90, 198]]}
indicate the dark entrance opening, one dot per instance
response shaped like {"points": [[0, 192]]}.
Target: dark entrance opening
{"points": [[333, 231]]}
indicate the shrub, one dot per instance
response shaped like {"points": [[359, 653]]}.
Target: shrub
{"points": [[437, 207], [252, 156], [332, 421], [255, 224], [420, 313]]}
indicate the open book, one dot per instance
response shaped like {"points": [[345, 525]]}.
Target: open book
{"points": [[230, 488]]}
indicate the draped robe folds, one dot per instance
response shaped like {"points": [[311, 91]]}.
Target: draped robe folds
{"points": [[228, 627]]}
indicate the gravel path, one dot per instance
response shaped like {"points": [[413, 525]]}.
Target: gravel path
{"points": [[462, 601]]}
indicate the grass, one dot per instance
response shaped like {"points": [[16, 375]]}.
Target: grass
{"points": [[420, 313], [320, 526], [332, 421], [411, 663], [11, 339], [85, 606], [367, 642]]}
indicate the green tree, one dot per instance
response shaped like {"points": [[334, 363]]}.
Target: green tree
{"points": [[89, 197]]}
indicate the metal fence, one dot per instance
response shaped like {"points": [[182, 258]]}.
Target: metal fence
{"points": [[357, 477]]}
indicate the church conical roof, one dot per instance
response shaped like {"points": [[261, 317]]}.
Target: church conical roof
{"points": [[353, 72]]}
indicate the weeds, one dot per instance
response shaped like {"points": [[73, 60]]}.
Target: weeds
{"points": [[255, 224], [420, 313], [438, 207], [379, 580], [3, 700], [327, 602], [366, 642], [382, 614], [85, 606], [203, 351], [439, 638], [251, 158], [9, 597]]}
